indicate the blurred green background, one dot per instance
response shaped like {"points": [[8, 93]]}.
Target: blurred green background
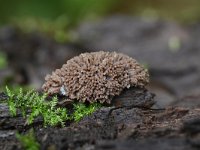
{"points": [[77, 10], [52, 17], [67, 13]]}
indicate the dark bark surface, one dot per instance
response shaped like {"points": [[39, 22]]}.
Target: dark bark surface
{"points": [[116, 127]]}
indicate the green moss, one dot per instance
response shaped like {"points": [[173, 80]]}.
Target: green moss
{"points": [[32, 105], [37, 104], [81, 110], [28, 141]]}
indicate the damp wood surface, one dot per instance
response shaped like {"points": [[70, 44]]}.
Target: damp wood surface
{"points": [[113, 127], [168, 120]]}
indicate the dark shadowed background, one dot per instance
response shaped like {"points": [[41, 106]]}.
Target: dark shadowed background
{"points": [[37, 37]]}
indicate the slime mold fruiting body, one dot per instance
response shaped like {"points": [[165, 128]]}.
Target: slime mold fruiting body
{"points": [[96, 77]]}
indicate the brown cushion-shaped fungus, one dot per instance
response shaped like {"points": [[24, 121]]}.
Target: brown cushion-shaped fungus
{"points": [[96, 76]]}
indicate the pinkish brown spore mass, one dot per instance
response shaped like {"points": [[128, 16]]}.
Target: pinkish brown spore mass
{"points": [[96, 77]]}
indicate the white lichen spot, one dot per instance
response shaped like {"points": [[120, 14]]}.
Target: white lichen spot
{"points": [[62, 90]]}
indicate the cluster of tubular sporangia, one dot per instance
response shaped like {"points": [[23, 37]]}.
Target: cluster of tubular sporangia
{"points": [[96, 77]]}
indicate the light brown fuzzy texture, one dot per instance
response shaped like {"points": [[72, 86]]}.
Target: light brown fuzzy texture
{"points": [[96, 76]]}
